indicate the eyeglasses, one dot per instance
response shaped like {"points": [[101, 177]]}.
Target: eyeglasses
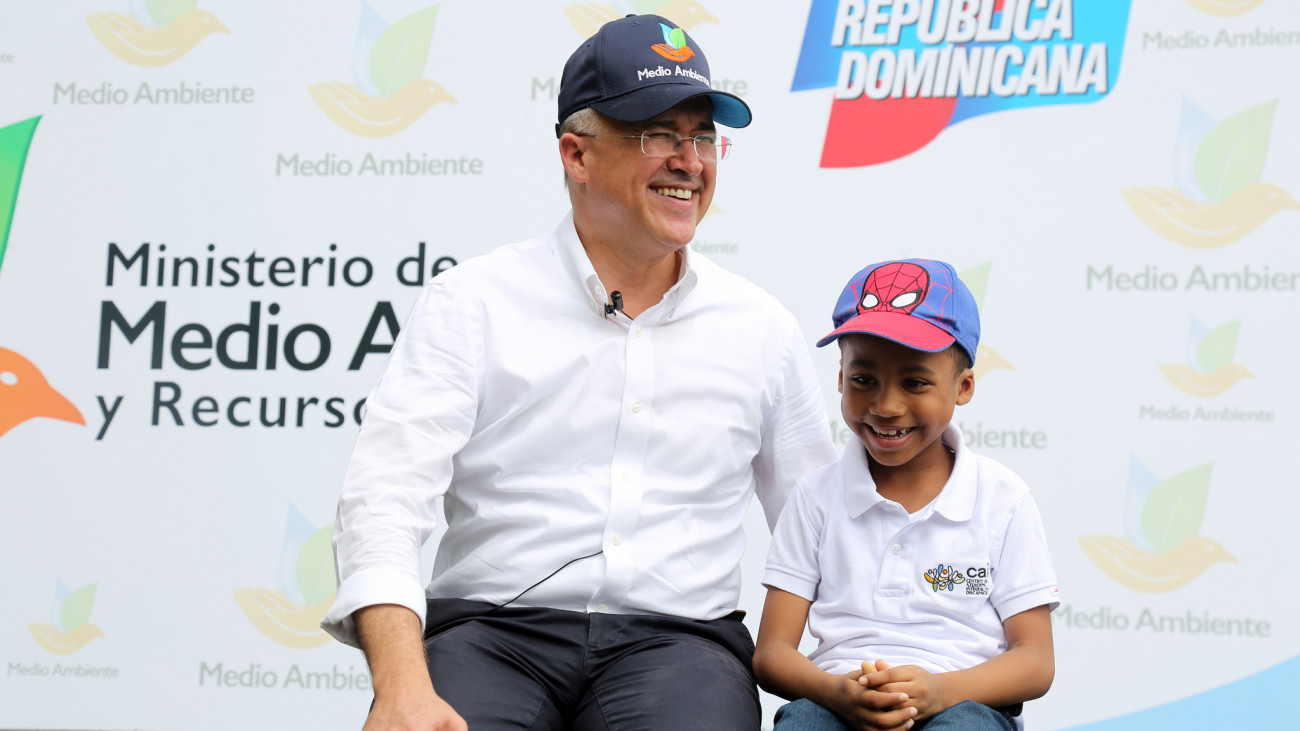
{"points": [[709, 148]]}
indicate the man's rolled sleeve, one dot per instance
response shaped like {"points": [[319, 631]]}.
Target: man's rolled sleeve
{"points": [[418, 416]]}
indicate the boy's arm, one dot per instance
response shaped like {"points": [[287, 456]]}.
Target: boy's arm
{"points": [[1022, 673], [781, 669]]}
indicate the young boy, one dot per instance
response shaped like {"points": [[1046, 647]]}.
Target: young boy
{"points": [[919, 566]]}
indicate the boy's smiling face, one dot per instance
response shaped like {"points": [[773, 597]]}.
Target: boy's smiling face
{"points": [[898, 400]]}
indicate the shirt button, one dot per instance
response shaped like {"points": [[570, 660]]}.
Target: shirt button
{"points": [[636, 407], [897, 549], [639, 331], [602, 608], [617, 539], [626, 477]]}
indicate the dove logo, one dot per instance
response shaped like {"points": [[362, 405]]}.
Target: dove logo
{"points": [[987, 358], [72, 629], [388, 93], [25, 394], [904, 72], [291, 615], [1209, 370], [1217, 166], [674, 47], [587, 18], [1225, 8], [1162, 549], [156, 33]]}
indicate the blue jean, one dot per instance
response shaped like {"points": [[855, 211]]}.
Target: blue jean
{"points": [[804, 715]]}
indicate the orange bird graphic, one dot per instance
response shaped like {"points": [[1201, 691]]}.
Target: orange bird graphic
{"points": [[25, 394]]}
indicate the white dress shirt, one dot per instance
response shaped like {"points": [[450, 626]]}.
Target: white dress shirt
{"points": [[863, 562], [554, 432]]}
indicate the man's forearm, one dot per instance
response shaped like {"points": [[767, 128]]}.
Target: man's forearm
{"points": [[390, 637], [404, 695]]}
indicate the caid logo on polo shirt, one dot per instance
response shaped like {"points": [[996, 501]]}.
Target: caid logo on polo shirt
{"points": [[1218, 166], [24, 391], [943, 578], [1162, 549], [904, 71], [389, 91], [973, 582], [1209, 370], [156, 32], [588, 17], [1225, 8], [71, 629], [291, 615]]}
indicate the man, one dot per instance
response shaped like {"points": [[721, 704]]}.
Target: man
{"points": [[598, 407]]}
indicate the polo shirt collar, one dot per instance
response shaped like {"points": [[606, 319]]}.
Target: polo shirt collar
{"points": [[860, 490], [577, 265], [953, 502], [956, 501]]}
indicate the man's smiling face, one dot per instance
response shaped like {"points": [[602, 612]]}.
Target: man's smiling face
{"points": [[657, 200]]}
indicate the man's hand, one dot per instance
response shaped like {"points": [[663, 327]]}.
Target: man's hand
{"points": [[871, 709], [404, 695], [431, 714], [921, 689]]}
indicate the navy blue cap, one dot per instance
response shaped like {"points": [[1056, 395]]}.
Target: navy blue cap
{"points": [[638, 67]]}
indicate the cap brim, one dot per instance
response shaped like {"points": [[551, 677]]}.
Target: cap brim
{"points": [[900, 327], [650, 101]]}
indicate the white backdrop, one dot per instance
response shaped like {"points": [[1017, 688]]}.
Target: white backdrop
{"points": [[1133, 248]]}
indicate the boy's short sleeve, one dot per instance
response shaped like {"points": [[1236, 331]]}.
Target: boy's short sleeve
{"points": [[792, 560], [1025, 562]]}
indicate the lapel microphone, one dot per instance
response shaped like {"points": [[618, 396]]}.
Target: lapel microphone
{"points": [[615, 303]]}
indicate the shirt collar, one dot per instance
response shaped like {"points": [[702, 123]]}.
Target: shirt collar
{"points": [[956, 501], [860, 490], [953, 503], [577, 265]]}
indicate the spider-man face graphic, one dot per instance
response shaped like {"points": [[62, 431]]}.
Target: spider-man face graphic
{"points": [[897, 287]]}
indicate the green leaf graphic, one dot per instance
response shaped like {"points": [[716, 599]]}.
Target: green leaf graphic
{"points": [[315, 569], [1232, 154], [164, 12], [1175, 508], [677, 38], [1218, 346], [14, 142], [976, 280], [76, 608], [399, 55]]}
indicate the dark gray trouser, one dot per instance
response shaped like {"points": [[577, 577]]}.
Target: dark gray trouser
{"points": [[533, 668]]}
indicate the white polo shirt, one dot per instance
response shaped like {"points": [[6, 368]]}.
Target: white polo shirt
{"points": [[928, 589], [555, 432]]}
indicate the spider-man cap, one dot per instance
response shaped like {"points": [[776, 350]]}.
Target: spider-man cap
{"points": [[919, 303], [638, 67]]}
